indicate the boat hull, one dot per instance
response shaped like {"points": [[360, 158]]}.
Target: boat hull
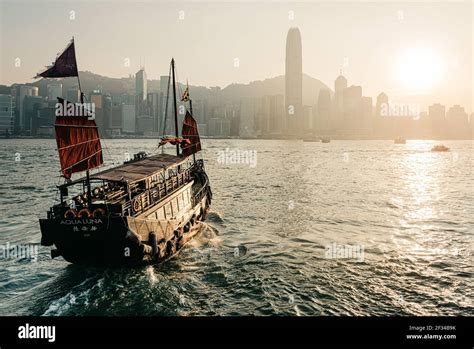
{"points": [[118, 241]]}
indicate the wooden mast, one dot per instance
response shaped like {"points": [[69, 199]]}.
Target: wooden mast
{"points": [[88, 179], [191, 109], [175, 106]]}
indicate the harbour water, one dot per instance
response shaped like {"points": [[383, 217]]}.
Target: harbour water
{"points": [[296, 228]]}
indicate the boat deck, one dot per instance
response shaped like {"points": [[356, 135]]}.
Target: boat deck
{"points": [[138, 169]]}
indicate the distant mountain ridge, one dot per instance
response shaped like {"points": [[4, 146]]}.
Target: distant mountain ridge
{"points": [[233, 92], [276, 86]]}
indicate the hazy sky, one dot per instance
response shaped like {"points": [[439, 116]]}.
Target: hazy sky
{"points": [[415, 52]]}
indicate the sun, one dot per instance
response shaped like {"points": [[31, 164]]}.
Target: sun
{"points": [[419, 69]]}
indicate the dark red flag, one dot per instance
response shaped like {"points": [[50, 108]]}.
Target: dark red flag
{"points": [[64, 66]]}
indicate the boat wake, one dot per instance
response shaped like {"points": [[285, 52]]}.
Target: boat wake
{"points": [[151, 275], [215, 217], [79, 295], [209, 231]]}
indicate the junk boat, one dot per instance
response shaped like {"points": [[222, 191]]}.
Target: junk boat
{"points": [[399, 140], [144, 210], [311, 139], [440, 147]]}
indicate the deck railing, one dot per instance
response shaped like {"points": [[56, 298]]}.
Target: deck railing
{"points": [[143, 201]]}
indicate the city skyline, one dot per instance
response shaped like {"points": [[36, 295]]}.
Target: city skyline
{"points": [[30, 110], [325, 52]]}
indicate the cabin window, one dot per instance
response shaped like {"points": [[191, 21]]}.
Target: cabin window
{"points": [[142, 185], [168, 210]]}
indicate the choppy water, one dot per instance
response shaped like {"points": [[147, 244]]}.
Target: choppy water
{"points": [[265, 248]]}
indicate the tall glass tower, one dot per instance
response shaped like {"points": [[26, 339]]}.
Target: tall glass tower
{"points": [[294, 83]]}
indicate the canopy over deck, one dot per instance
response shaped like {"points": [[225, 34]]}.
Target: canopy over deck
{"points": [[140, 169]]}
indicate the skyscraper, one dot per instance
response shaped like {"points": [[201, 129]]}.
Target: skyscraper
{"points": [[322, 120], [458, 121], [141, 85], [6, 114], [271, 114], [128, 118], [117, 122], [164, 81], [154, 100], [382, 104], [339, 86], [471, 121], [367, 116], [456, 113], [383, 125], [73, 95], [294, 82], [31, 105], [106, 112], [55, 90], [97, 98], [352, 100], [141, 94], [437, 115], [248, 110], [20, 92]]}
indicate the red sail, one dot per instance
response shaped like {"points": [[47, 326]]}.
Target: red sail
{"points": [[190, 131], [78, 143]]}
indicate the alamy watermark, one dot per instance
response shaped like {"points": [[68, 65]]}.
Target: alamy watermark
{"points": [[401, 109], [76, 109], [237, 157], [37, 332], [27, 251], [339, 251]]}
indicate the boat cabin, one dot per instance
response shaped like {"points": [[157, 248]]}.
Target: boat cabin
{"points": [[132, 189]]}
